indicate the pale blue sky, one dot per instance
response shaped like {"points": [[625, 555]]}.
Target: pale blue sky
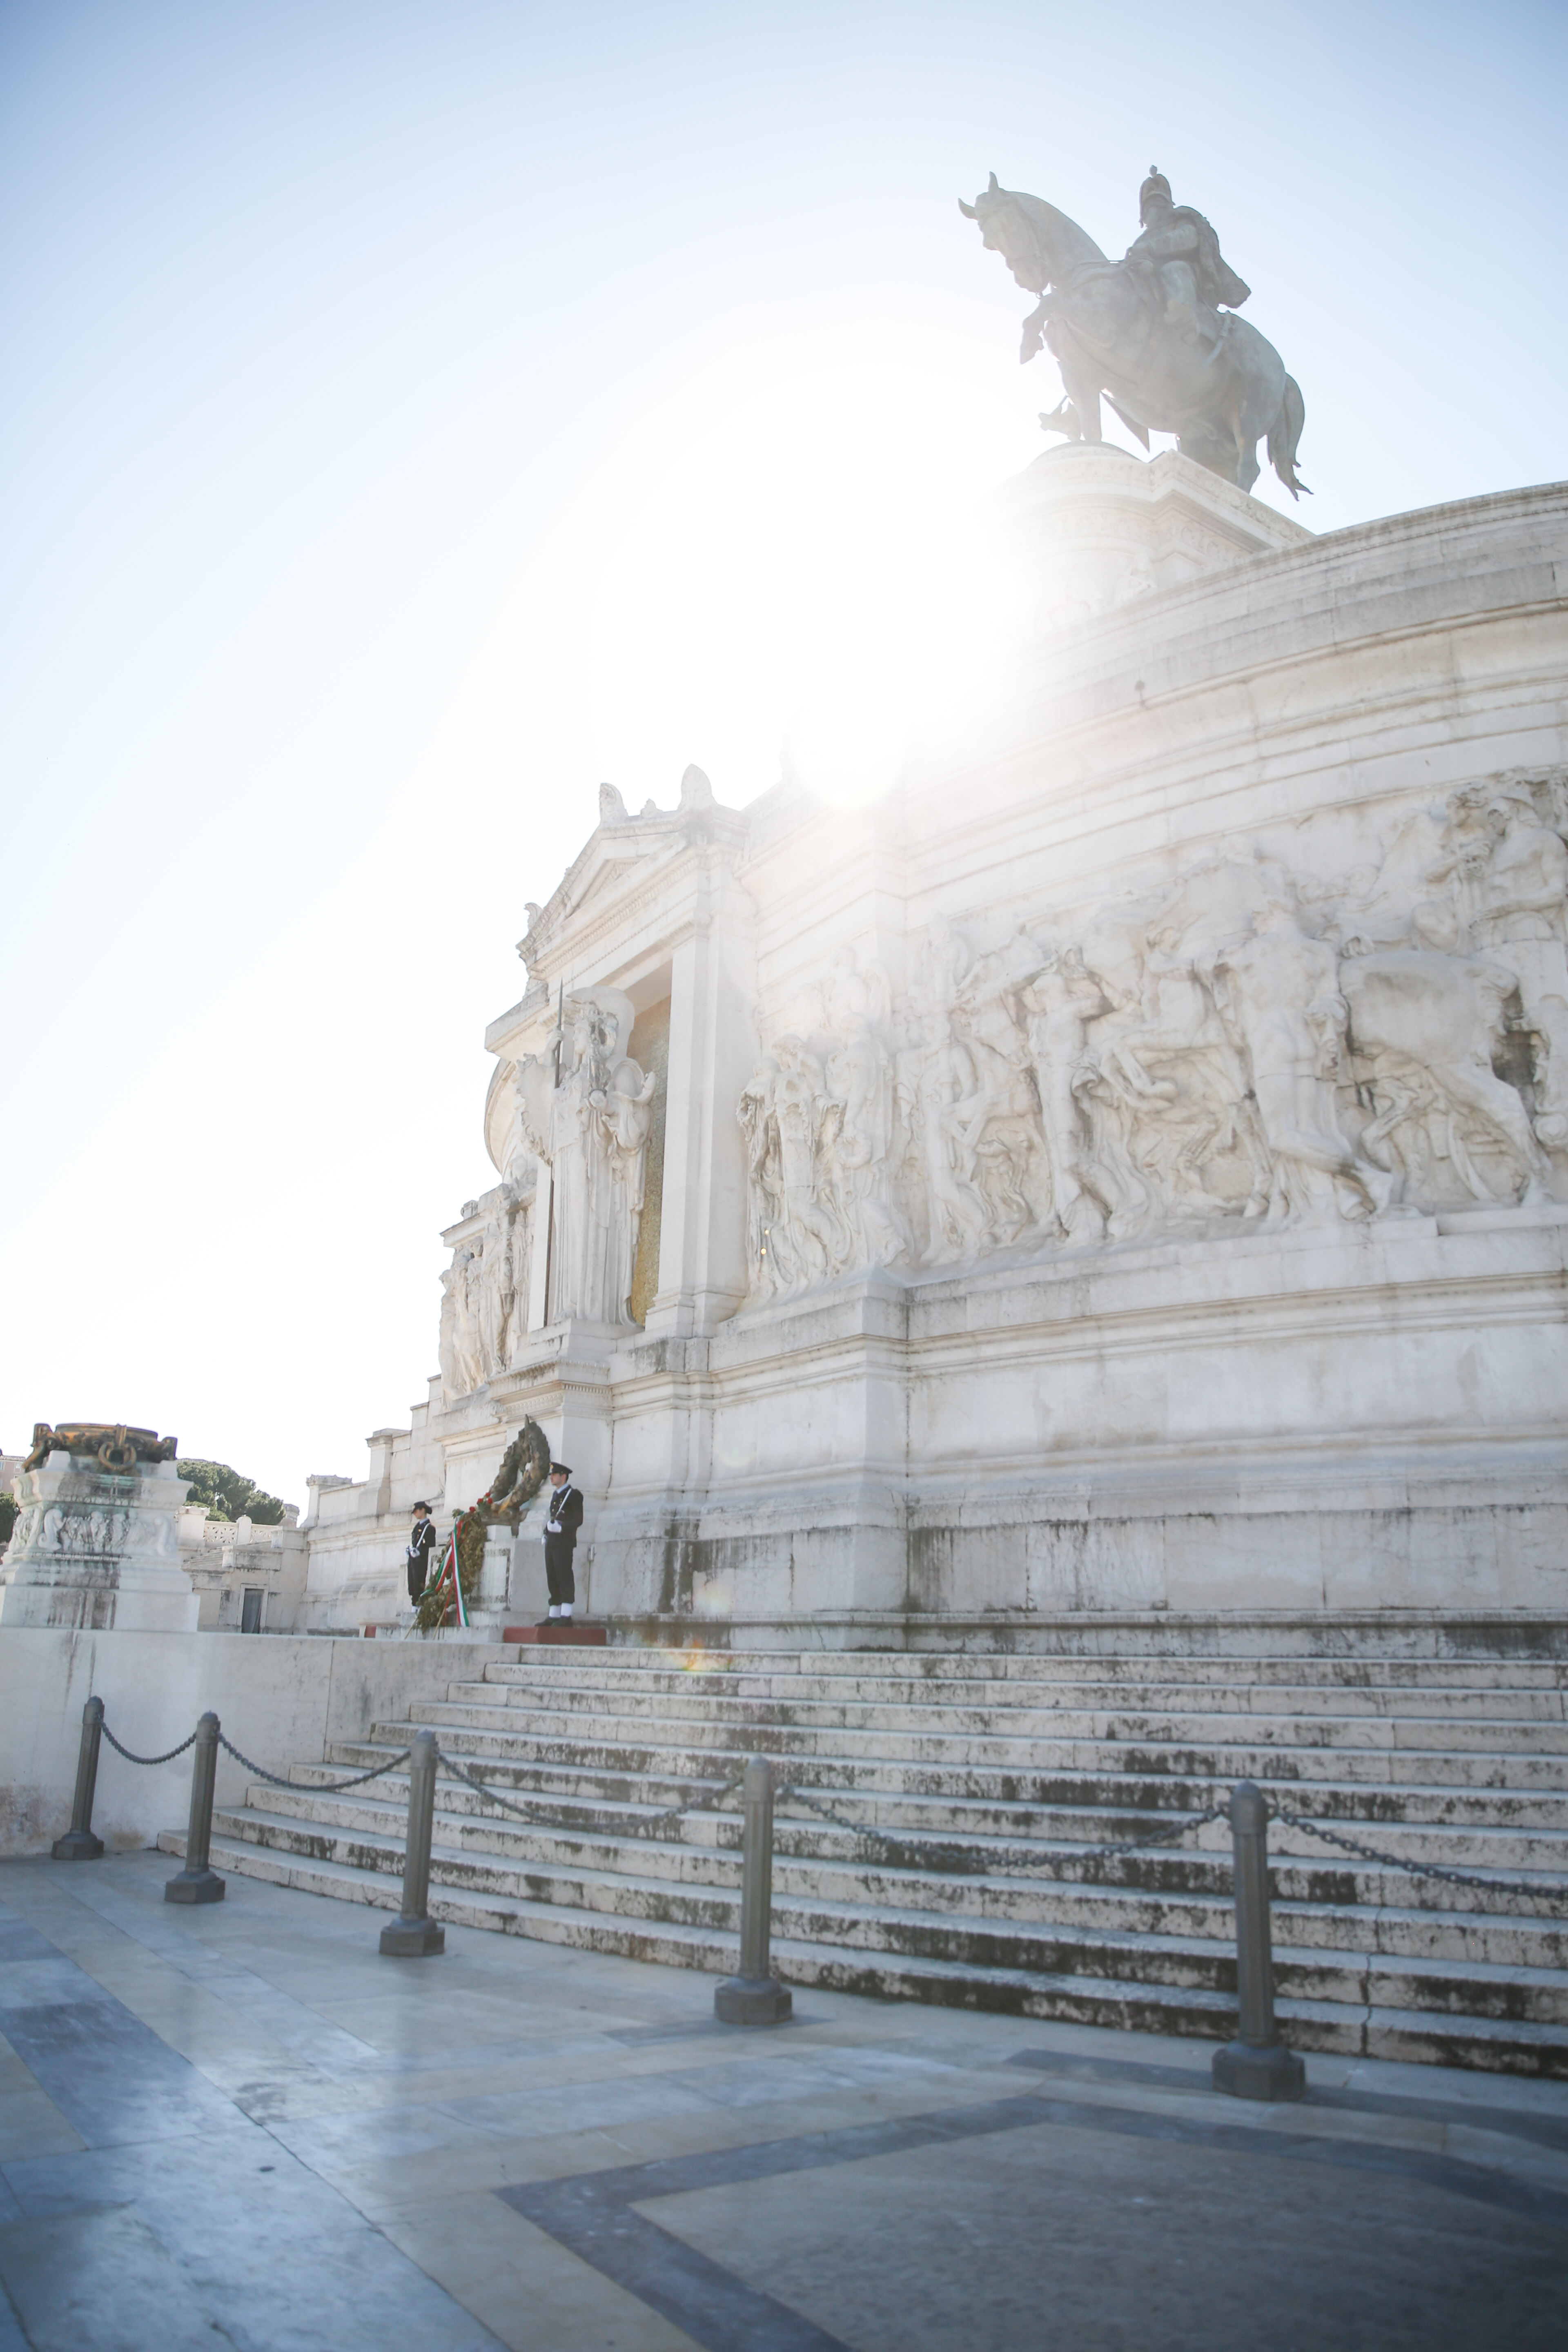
{"points": [[414, 414]]}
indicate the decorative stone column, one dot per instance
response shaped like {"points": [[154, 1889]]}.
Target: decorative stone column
{"points": [[97, 1544], [702, 1276]]}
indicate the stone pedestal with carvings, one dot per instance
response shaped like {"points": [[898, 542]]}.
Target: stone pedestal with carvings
{"points": [[98, 1547]]}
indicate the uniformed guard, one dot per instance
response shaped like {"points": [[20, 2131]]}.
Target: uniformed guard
{"points": [[561, 1525], [421, 1544]]}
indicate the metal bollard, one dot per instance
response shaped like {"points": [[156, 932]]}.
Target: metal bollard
{"points": [[414, 1934], [198, 1882], [79, 1844], [1256, 2065], [755, 1996]]}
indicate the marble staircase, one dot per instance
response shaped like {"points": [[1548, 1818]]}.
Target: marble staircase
{"points": [[1015, 1766]]}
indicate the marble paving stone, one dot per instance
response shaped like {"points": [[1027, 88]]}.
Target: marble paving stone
{"points": [[493, 2150], [101, 2278], [30, 2123], [11, 2336], [1072, 2238]]}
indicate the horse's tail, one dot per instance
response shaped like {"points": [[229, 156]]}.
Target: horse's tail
{"points": [[1285, 438]]}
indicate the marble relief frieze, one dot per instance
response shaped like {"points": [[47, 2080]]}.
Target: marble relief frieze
{"points": [[1245, 1047]]}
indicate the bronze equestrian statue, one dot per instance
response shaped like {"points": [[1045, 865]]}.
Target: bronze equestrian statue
{"points": [[1155, 333]]}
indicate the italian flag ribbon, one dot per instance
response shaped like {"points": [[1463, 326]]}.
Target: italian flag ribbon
{"points": [[450, 1569]]}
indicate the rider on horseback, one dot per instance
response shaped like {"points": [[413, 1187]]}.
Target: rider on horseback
{"points": [[1182, 252]]}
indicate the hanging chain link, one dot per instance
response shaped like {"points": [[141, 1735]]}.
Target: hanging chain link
{"points": [[131, 1758], [902, 1852], [917, 1853], [316, 1788], [1417, 1869], [649, 1829]]}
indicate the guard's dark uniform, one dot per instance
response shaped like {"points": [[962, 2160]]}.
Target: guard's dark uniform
{"points": [[421, 1544], [560, 1542]]}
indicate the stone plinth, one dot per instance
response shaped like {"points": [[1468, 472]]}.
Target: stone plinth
{"points": [[1090, 529], [97, 1548]]}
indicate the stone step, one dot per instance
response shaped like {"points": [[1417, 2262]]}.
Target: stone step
{"points": [[630, 1662], [1143, 1890], [629, 1775], [889, 1941], [1538, 1701], [845, 1755], [1455, 1845], [965, 1729]]}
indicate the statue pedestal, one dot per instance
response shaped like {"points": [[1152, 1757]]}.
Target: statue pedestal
{"points": [[99, 1549], [1089, 528], [491, 1605]]}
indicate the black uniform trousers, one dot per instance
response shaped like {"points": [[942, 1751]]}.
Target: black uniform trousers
{"points": [[419, 1568], [558, 1550]]}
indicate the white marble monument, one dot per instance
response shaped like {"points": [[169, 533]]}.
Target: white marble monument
{"points": [[1124, 1167]]}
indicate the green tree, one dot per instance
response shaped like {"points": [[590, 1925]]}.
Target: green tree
{"points": [[229, 1496], [7, 1516]]}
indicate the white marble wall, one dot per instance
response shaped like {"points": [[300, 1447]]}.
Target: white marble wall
{"points": [[1126, 1165]]}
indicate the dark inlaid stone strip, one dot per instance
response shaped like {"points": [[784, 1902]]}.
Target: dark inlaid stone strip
{"points": [[591, 2213]]}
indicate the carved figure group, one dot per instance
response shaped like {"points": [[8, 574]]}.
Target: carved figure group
{"points": [[585, 1109], [484, 1302], [1248, 1047]]}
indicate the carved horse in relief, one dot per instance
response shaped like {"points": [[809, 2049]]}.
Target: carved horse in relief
{"points": [[1104, 321]]}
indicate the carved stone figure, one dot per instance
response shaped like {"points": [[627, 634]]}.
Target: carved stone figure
{"points": [[861, 1076], [1514, 870], [1427, 1026], [585, 1109], [1060, 1002], [470, 1355], [447, 1347], [503, 1280], [1181, 249], [625, 1118], [1283, 990], [941, 1083], [801, 1109], [1146, 334]]}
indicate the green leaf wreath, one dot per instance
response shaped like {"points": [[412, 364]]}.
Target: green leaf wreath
{"points": [[524, 1468]]}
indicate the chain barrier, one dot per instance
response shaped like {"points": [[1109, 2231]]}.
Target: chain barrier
{"points": [[915, 1854], [903, 1853], [1392, 1862], [314, 1788], [131, 1758], [320, 1787], [675, 1813], [462, 1772], [649, 1829]]}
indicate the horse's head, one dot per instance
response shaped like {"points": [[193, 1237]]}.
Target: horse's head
{"points": [[1006, 228], [1037, 243]]}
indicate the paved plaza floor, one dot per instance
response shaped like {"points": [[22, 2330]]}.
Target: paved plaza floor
{"points": [[241, 2126]]}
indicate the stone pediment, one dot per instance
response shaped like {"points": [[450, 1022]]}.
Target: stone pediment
{"points": [[622, 855]]}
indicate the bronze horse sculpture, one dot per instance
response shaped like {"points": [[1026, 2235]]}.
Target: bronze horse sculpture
{"points": [[1107, 325]]}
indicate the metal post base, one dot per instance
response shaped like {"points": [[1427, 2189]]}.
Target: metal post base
{"points": [[77, 1846], [1244, 2071], [195, 1886], [413, 1940], [748, 2001]]}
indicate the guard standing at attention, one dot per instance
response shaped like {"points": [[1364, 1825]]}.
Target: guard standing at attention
{"points": [[561, 1525], [421, 1544]]}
